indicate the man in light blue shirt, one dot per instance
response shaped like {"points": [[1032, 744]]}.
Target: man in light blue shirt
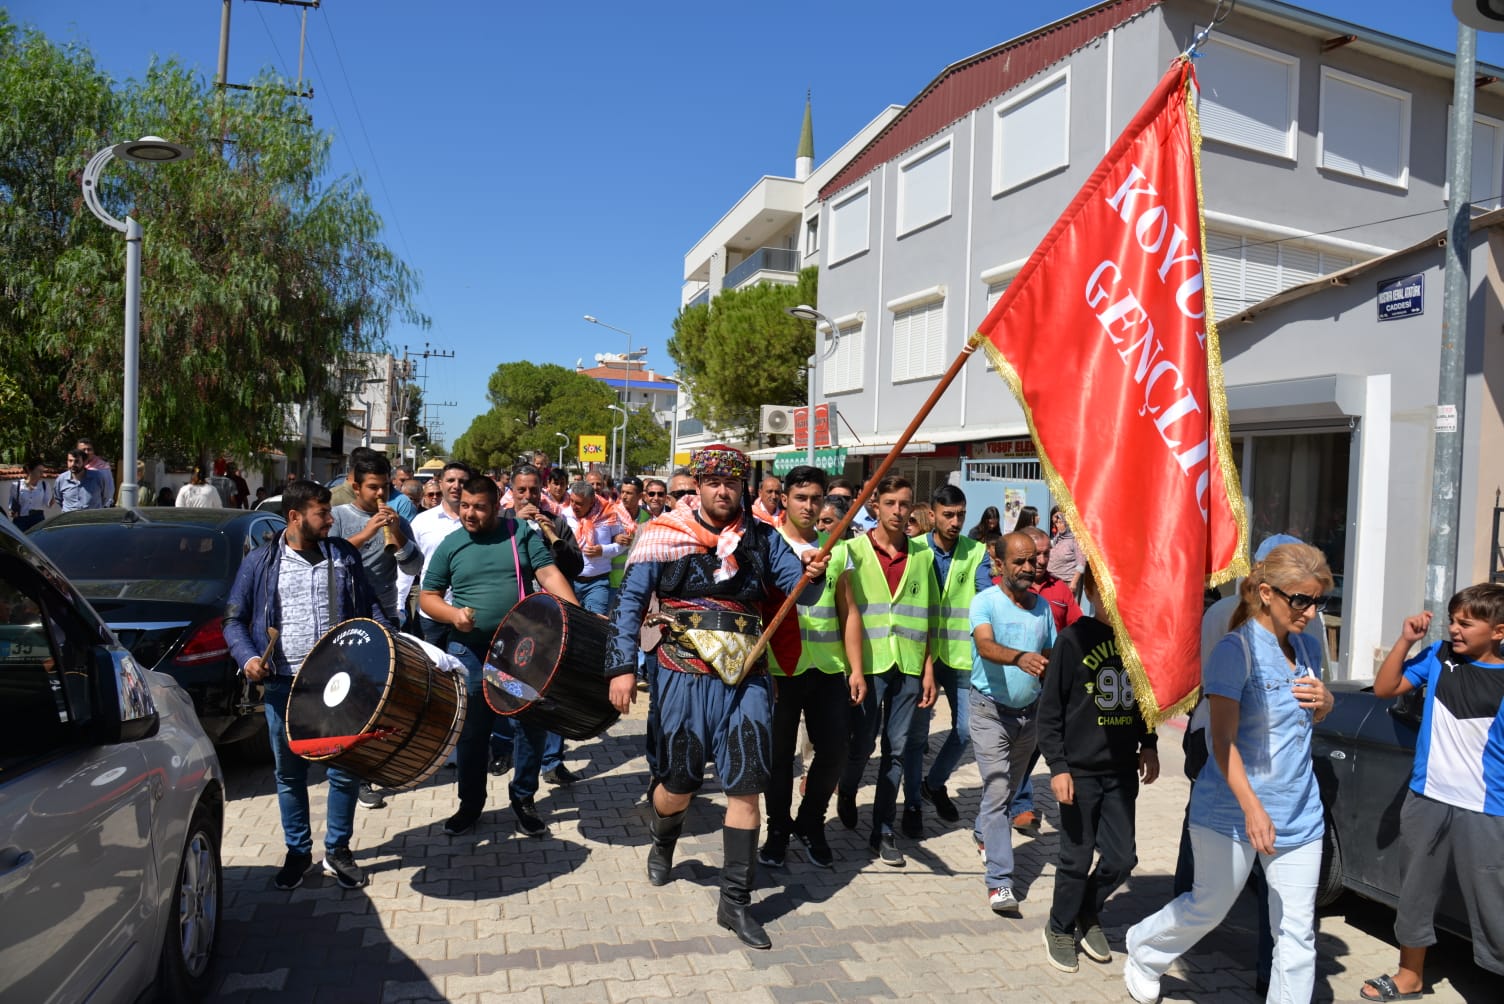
{"points": [[1012, 632]]}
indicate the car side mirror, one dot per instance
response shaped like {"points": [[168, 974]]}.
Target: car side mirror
{"points": [[1409, 706], [126, 711]]}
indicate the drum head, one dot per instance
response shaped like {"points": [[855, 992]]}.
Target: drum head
{"points": [[524, 654], [340, 687]]}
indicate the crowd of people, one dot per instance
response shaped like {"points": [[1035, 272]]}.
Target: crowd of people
{"points": [[904, 609]]}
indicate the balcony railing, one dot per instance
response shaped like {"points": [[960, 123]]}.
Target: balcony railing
{"points": [[763, 260], [703, 296]]}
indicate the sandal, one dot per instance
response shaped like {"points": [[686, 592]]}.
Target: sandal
{"points": [[1387, 990]]}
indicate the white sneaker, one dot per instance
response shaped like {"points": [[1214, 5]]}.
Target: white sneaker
{"points": [[1003, 901], [1140, 987]]}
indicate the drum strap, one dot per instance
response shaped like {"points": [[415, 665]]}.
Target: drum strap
{"points": [[517, 561]]}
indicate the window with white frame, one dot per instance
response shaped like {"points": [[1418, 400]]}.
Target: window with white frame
{"points": [[811, 236], [1248, 96], [924, 187], [1487, 178], [850, 225], [842, 372], [1248, 269], [1364, 129], [1031, 133], [919, 341]]}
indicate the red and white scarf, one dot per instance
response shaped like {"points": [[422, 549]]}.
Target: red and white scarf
{"points": [[678, 534]]}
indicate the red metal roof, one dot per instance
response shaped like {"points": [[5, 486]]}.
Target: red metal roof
{"points": [[971, 83]]}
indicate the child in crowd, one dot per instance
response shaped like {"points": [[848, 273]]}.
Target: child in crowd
{"points": [[1098, 748], [1454, 810]]}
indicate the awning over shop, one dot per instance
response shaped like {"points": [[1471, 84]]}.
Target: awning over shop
{"points": [[829, 461]]}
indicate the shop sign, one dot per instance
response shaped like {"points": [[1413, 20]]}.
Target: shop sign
{"points": [[829, 461], [1004, 449], [1403, 297]]}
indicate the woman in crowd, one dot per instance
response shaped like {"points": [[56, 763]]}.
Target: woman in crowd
{"points": [[989, 523], [28, 497], [921, 520], [433, 494], [1066, 560], [198, 493], [1257, 794], [1027, 516]]}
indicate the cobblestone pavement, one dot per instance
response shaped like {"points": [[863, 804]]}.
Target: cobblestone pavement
{"points": [[495, 916]]}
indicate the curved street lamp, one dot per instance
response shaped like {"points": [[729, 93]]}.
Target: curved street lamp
{"points": [[623, 429], [807, 313], [562, 446], [146, 150]]}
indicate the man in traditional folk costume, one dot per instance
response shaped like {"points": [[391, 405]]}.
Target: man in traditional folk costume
{"points": [[710, 566]]}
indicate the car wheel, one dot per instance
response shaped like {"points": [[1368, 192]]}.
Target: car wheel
{"points": [[193, 928], [1329, 886]]}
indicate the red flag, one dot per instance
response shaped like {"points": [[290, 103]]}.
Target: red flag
{"points": [[1115, 302]]}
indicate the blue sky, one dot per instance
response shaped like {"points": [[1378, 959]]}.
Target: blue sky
{"points": [[539, 162]]}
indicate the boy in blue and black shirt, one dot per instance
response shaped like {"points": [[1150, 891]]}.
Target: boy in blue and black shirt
{"points": [[1454, 810]]}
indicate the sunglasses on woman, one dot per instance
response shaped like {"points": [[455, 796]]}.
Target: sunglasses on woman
{"points": [[1299, 602]]}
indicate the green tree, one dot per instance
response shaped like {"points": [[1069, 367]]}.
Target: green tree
{"points": [[260, 276], [530, 403], [713, 343], [647, 442]]}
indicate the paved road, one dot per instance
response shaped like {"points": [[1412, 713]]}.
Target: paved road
{"points": [[494, 916]]}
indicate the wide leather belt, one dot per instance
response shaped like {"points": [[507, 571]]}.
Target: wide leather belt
{"points": [[716, 620]]}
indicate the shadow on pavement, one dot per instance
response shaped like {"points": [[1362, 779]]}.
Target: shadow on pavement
{"points": [[356, 960]]}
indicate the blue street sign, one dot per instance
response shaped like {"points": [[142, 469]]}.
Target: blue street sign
{"points": [[1403, 297]]}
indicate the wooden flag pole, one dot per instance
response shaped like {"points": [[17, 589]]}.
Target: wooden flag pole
{"points": [[866, 493]]}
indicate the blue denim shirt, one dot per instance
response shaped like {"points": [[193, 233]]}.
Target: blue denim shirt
{"points": [[1274, 738]]}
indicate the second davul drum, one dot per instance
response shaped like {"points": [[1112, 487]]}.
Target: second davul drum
{"points": [[547, 664]]}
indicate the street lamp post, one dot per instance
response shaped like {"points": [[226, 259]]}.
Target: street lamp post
{"points": [[622, 428], [807, 313], [562, 447], [147, 150], [626, 394]]}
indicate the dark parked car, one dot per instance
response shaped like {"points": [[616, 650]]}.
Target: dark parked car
{"points": [[1362, 753], [111, 807], [160, 576]]}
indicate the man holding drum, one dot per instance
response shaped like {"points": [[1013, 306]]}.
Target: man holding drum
{"points": [[301, 585], [487, 567], [710, 566]]}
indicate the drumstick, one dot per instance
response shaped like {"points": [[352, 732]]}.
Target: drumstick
{"points": [[272, 634]]}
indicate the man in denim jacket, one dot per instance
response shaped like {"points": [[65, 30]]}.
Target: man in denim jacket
{"points": [[302, 584]]}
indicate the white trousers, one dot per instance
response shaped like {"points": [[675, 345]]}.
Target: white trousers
{"points": [[1222, 866]]}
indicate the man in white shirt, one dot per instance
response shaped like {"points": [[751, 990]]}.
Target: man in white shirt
{"points": [[595, 526], [429, 530]]}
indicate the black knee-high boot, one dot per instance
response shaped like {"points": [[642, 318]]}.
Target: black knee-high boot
{"points": [[738, 875], [666, 830]]}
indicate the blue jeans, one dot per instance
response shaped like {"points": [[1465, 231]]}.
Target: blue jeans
{"points": [[1003, 739], [955, 744], [292, 782], [504, 739], [473, 751], [892, 699], [594, 595]]}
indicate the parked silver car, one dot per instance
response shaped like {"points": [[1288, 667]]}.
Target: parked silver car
{"points": [[111, 807]]}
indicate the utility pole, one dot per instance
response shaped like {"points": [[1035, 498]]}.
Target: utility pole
{"points": [[1446, 470], [222, 77]]}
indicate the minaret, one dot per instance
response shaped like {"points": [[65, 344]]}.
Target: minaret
{"points": [[804, 160]]}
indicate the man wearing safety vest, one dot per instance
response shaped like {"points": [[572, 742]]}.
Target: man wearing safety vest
{"points": [[962, 569], [807, 662], [889, 587]]}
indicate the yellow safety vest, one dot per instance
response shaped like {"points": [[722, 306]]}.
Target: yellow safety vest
{"points": [[951, 625], [820, 645], [895, 626]]}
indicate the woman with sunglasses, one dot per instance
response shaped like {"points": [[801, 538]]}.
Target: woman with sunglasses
{"points": [[433, 493], [1257, 795]]}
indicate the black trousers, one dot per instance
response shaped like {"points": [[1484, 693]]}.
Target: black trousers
{"points": [[1100, 821], [822, 699]]}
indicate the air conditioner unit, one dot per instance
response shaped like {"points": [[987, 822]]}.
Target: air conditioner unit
{"points": [[777, 420]]}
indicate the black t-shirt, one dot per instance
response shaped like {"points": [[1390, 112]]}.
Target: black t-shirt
{"points": [[1089, 722]]}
